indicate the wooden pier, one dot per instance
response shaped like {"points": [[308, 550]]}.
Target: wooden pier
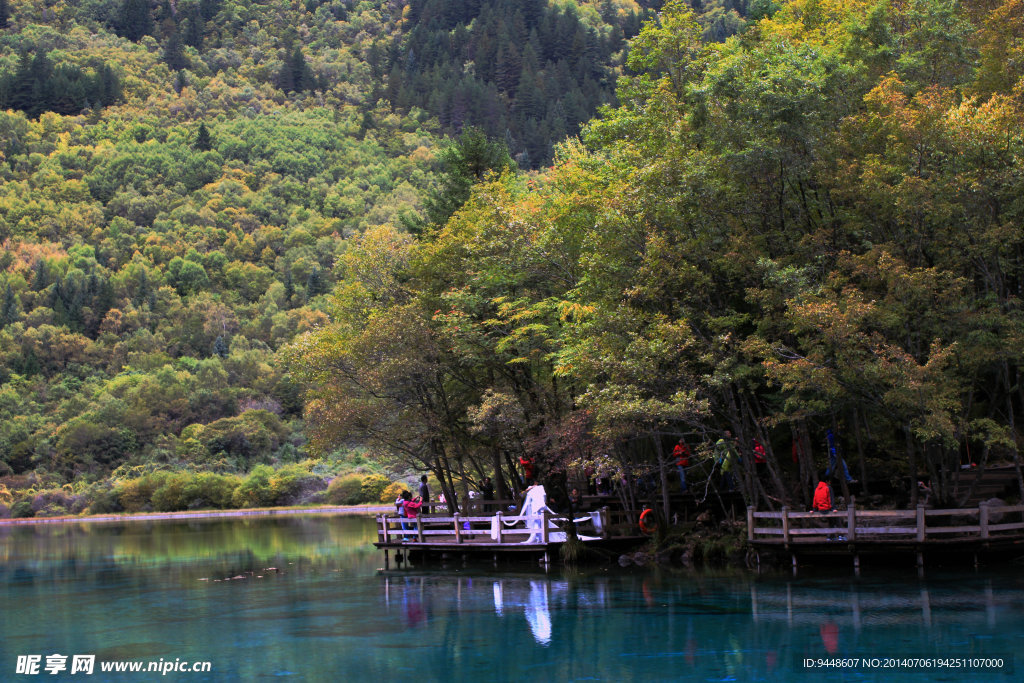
{"points": [[964, 533], [499, 533]]}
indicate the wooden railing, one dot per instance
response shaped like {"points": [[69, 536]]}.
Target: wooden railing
{"points": [[475, 505], [453, 528], [920, 525]]}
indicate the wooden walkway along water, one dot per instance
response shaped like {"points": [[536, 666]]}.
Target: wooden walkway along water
{"points": [[499, 533], [964, 532]]}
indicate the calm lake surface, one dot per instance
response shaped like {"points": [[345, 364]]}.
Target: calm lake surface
{"points": [[322, 610]]}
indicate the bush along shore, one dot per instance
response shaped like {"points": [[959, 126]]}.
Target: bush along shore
{"points": [[163, 491]]}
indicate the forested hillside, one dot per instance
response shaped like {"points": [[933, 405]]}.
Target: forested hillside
{"points": [[788, 218], [813, 226], [177, 181]]}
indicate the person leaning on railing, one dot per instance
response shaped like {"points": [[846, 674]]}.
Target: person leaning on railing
{"points": [[822, 496]]}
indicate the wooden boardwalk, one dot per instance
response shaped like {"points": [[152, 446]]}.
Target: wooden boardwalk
{"points": [[966, 532], [498, 534]]}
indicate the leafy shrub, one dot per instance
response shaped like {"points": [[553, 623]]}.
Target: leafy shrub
{"points": [[6, 497], [136, 495], [170, 496], [5, 511], [372, 487], [255, 490], [392, 491], [211, 490], [194, 491], [53, 503], [23, 508], [346, 490], [293, 484], [103, 499]]}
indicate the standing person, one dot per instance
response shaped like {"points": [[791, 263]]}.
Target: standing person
{"points": [[528, 469], [424, 490], [486, 493], [412, 507], [834, 460], [681, 453], [760, 459], [400, 506], [725, 456]]}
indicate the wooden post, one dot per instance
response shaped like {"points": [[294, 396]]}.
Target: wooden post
{"points": [[983, 518], [458, 528], [750, 522], [501, 524], [419, 527], [920, 523], [384, 524], [544, 529], [387, 565], [851, 520], [605, 521], [785, 529]]}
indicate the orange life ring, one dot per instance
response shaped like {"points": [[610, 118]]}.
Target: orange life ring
{"points": [[648, 524]]}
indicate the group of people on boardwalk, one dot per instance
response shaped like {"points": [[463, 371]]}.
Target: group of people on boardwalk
{"points": [[408, 507], [726, 459], [724, 463]]}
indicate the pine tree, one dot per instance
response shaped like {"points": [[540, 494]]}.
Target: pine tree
{"points": [[40, 276], [289, 288], [144, 288], [467, 160], [220, 347], [203, 141], [194, 29], [5, 13], [314, 284], [8, 307], [136, 19], [174, 53]]}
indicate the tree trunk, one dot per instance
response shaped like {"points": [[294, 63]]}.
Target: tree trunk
{"points": [[1013, 428], [662, 477], [912, 463], [860, 453]]}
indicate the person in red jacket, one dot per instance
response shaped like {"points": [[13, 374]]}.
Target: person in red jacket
{"points": [[528, 470], [412, 507], [681, 453], [822, 497]]}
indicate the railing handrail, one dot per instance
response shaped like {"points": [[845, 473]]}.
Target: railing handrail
{"points": [[898, 522], [453, 526]]}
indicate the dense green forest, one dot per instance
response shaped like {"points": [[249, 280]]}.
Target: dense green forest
{"points": [[784, 218], [813, 225], [177, 181]]}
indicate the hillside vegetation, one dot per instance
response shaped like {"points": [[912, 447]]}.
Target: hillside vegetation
{"points": [[177, 181], [239, 258], [813, 226]]}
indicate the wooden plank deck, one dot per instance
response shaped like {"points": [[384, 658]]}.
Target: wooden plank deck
{"points": [[853, 532], [436, 533]]}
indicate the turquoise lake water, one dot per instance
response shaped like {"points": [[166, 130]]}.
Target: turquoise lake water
{"points": [[312, 604]]}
